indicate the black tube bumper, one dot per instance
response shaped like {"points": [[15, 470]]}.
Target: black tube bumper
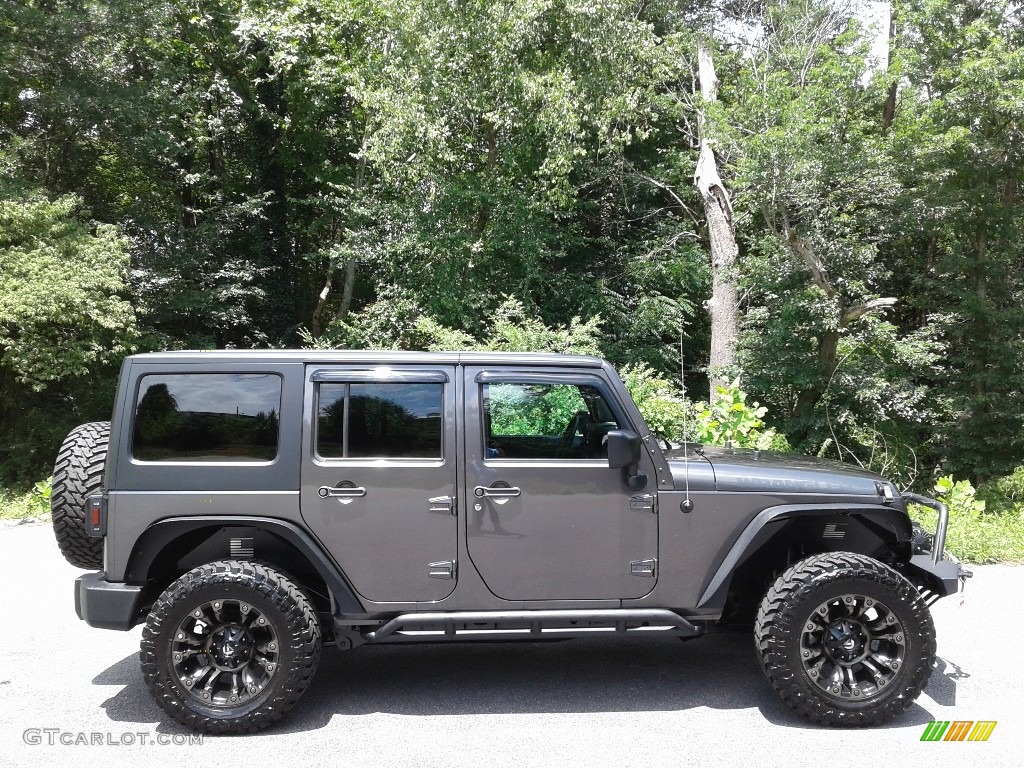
{"points": [[107, 605], [943, 577]]}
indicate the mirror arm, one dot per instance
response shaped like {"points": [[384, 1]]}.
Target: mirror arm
{"points": [[635, 479]]}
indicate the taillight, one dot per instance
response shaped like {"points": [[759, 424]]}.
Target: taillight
{"points": [[96, 506]]}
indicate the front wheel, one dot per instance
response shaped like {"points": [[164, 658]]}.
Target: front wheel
{"points": [[845, 640], [230, 647]]}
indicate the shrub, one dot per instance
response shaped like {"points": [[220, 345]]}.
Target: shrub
{"points": [[974, 534]]}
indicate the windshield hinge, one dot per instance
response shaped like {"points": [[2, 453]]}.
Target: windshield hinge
{"points": [[885, 491], [644, 501]]}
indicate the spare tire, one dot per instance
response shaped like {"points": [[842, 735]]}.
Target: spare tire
{"points": [[77, 475]]}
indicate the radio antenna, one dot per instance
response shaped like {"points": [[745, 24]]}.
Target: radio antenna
{"points": [[687, 504]]}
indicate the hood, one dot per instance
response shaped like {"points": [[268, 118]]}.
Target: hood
{"points": [[745, 471]]}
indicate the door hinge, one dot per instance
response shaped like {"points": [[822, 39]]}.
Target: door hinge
{"points": [[443, 504], [644, 501], [646, 568], [442, 570]]}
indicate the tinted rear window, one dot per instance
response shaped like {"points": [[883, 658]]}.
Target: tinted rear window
{"points": [[390, 421], [207, 417]]}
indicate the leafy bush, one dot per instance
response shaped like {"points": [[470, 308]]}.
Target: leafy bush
{"points": [[660, 403], [1005, 495], [974, 535], [39, 496], [395, 321], [17, 504], [729, 420]]}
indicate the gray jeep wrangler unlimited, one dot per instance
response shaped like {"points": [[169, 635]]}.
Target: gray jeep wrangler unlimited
{"points": [[249, 507]]}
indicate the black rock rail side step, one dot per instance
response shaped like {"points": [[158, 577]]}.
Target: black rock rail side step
{"points": [[531, 625]]}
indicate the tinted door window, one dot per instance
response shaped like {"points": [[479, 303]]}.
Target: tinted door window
{"points": [[545, 421], [207, 417], [392, 421]]}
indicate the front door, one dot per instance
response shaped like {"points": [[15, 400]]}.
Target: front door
{"points": [[378, 477], [547, 517]]}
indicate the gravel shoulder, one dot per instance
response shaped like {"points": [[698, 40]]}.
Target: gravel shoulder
{"points": [[590, 702]]}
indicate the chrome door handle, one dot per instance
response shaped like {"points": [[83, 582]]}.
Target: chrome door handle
{"points": [[497, 493], [326, 492]]}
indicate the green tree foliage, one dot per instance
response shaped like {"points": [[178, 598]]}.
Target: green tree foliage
{"points": [[959, 151], [396, 322], [60, 279], [63, 316]]}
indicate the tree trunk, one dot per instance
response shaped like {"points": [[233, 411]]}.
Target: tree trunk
{"points": [[808, 398], [723, 307], [889, 110]]}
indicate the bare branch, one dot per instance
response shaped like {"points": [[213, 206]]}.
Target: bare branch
{"points": [[855, 313], [671, 193]]}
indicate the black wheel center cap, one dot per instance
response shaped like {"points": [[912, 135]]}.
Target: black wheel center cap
{"points": [[845, 640], [231, 647]]}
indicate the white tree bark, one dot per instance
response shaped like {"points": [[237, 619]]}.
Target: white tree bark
{"points": [[723, 307]]}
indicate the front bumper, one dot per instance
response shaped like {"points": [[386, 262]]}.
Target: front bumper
{"points": [[105, 604], [941, 576]]}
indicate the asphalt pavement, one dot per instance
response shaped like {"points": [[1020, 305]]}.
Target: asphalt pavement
{"points": [[70, 694]]}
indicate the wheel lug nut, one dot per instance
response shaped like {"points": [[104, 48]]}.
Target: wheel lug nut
{"points": [[234, 698], [856, 692], [252, 689], [806, 654], [849, 600], [899, 638], [895, 665], [272, 646], [197, 612], [262, 620], [177, 657], [206, 695], [810, 626], [217, 606], [270, 667], [890, 619], [181, 635]]}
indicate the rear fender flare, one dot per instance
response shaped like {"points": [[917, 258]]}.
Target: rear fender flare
{"points": [[164, 533]]}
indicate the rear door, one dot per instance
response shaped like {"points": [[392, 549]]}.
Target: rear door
{"points": [[378, 476], [547, 518]]}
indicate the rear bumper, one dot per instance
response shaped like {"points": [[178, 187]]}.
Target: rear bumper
{"points": [[107, 605]]}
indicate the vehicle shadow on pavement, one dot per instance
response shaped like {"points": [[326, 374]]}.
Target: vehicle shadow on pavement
{"points": [[573, 676], [942, 685]]}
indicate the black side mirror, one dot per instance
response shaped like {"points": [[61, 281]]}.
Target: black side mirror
{"points": [[623, 448], [624, 453]]}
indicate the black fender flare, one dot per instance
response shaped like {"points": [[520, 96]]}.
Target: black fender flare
{"points": [[764, 526], [163, 532]]}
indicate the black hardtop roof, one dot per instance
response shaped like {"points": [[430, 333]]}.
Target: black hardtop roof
{"points": [[385, 357]]}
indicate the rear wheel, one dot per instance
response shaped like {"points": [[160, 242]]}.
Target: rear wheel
{"points": [[845, 640], [77, 475], [230, 647]]}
